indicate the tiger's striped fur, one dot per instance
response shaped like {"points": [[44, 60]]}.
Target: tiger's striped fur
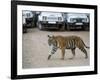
{"points": [[67, 42]]}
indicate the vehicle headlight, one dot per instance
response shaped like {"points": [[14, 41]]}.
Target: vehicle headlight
{"points": [[44, 18], [72, 20], [28, 15], [59, 18], [84, 20]]}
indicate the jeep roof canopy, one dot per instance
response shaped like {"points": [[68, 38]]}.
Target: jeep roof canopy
{"points": [[77, 15], [55, 14]]}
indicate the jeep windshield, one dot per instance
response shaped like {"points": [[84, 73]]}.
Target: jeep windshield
{"points": [[77, 15], [51, 16]]}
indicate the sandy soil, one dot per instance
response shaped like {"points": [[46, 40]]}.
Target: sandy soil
{"points": [[36, 50]]}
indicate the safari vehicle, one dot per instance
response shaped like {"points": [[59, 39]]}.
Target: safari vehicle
{"points": [[27, 20], [77, 21], [50, 20]]}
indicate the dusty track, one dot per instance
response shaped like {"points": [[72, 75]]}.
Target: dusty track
{"points": [[36, 50]]}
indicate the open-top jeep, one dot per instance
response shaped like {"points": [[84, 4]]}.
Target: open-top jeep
{"points": [[50, 20], [27, 19], [77, 21]]}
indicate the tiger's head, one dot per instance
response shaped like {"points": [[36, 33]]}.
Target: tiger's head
{"points": [[52, 43], [51, 40]]}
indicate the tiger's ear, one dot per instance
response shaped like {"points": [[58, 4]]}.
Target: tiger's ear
{"points": [[49, 36]]}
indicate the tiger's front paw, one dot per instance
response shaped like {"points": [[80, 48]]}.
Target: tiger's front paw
{"points": [[49, 57], [71, 58], [62, 58], [86, 57]]}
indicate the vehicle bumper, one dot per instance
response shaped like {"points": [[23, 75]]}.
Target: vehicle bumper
{"points": [[77, 25], [52, 25]]}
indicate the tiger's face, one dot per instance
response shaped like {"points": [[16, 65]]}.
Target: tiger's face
{"points": [[51, 40]]}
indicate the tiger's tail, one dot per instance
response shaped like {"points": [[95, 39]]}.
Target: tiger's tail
{"points": [[85, 45]]}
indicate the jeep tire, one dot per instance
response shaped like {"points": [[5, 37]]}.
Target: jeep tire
{"points": [[68, 27]]}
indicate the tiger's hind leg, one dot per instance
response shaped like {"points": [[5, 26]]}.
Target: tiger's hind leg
{"points": [[63, 53], [84, 51], [73, 52]]}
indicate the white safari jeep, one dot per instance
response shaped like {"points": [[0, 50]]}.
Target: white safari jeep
{"points": [[27, 19], [50, 20], [77, 20]]}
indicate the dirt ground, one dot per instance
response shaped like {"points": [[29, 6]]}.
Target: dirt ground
{"points": [[35, 50]]}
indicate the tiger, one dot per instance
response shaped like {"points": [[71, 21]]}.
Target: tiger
{"points": [[66, 42]]}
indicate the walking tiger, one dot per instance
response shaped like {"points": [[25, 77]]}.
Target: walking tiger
{"points": [[66, 42]]}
